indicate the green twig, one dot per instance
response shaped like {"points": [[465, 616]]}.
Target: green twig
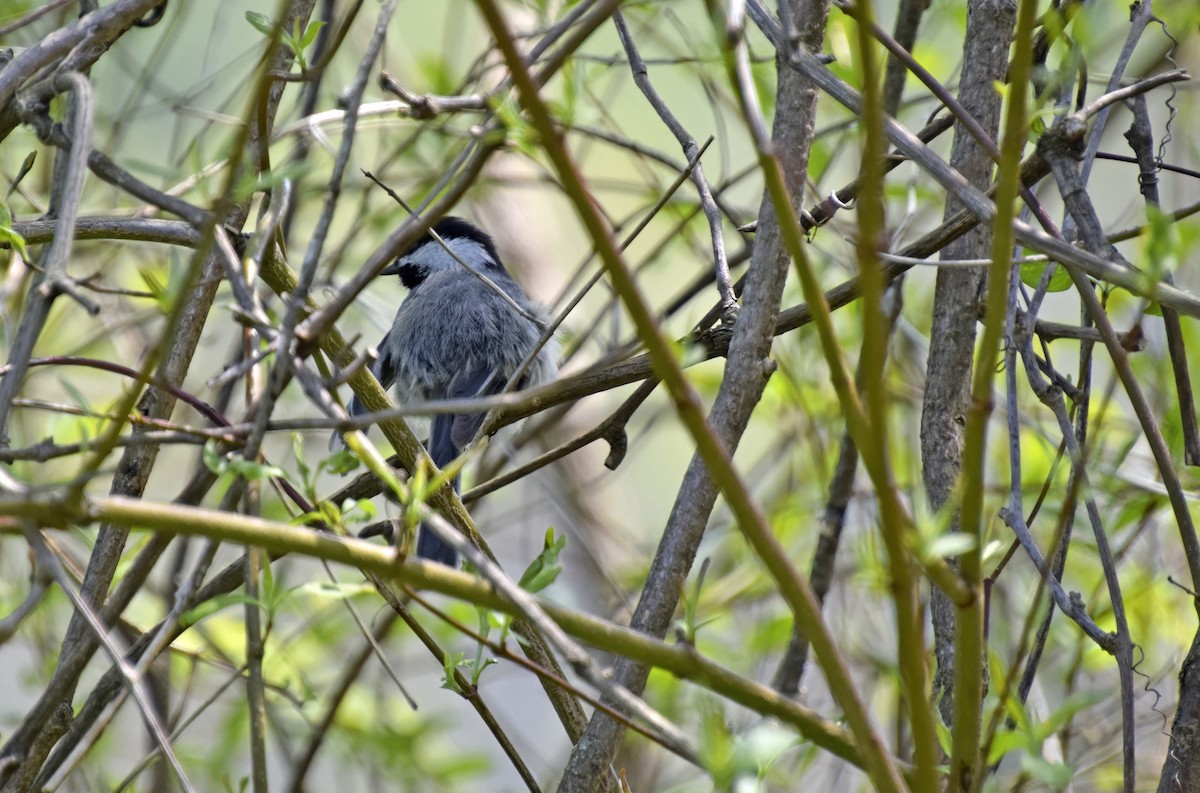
{"points": [[966, 771], [682, 661]]}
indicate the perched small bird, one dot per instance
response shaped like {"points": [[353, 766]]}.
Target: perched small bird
{"points": [[457, 336]]}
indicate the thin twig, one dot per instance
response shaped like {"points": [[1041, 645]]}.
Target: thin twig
{"points": [[1141, 140], [279, 537], [116, 654], [691, 150], [978, 205], [54, 279]]}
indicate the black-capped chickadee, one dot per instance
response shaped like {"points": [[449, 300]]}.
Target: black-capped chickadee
{"points": [[457, 336]]}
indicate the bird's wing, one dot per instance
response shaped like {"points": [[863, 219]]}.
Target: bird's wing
{"points": [[450, 432], [384, 370], [385, 365], [467, 385]]}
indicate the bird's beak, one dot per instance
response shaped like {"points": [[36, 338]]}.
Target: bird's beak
{"points": [[392, 269]]}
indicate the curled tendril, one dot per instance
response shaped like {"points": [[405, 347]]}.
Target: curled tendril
{"points": [[1170, 103]]}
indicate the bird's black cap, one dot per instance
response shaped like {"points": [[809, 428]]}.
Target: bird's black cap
{"points": [[451, 227], [448, 228]]}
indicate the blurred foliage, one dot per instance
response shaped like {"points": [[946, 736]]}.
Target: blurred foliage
{"points": [[170, 100]]}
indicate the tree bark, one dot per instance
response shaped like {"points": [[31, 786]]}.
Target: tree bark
{"points": [[956, 296], [745, 377]]}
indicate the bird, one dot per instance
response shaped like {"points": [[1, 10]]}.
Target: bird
{"points": [[457, 336]]}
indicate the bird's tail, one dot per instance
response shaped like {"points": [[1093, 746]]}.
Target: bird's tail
{"points": [[431, 547], [443, 451]]}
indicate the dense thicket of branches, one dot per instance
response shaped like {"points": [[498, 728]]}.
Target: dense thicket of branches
{"points": [[955, 549]]}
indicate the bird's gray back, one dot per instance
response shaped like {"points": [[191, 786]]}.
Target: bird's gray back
{"points": [[453, 322]]}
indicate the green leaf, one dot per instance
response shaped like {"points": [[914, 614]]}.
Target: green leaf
{"points": [[213, 459], [497, 619], [243, 784], [254, 470], [364, 508], [1031, 275], [994, 550], [248, 469], [26, 167], [947, 545], [566, 109], [310, 33], [341, 463], [155, 286], [434, 70], [298, 453], [76, 395], [1007, 741], [690, 623], [1135, 508], [210, 607], [8, 235], [261, 23], [1054, 775], [519, 133], [450, 662], [1161, 249], [717, 747], [1038, 120], [545, 568], [270, 591], [1161, 244], [1073, 704], [266, 181], [944, 739], [297, 41], [761, 746], [476, 667]]}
